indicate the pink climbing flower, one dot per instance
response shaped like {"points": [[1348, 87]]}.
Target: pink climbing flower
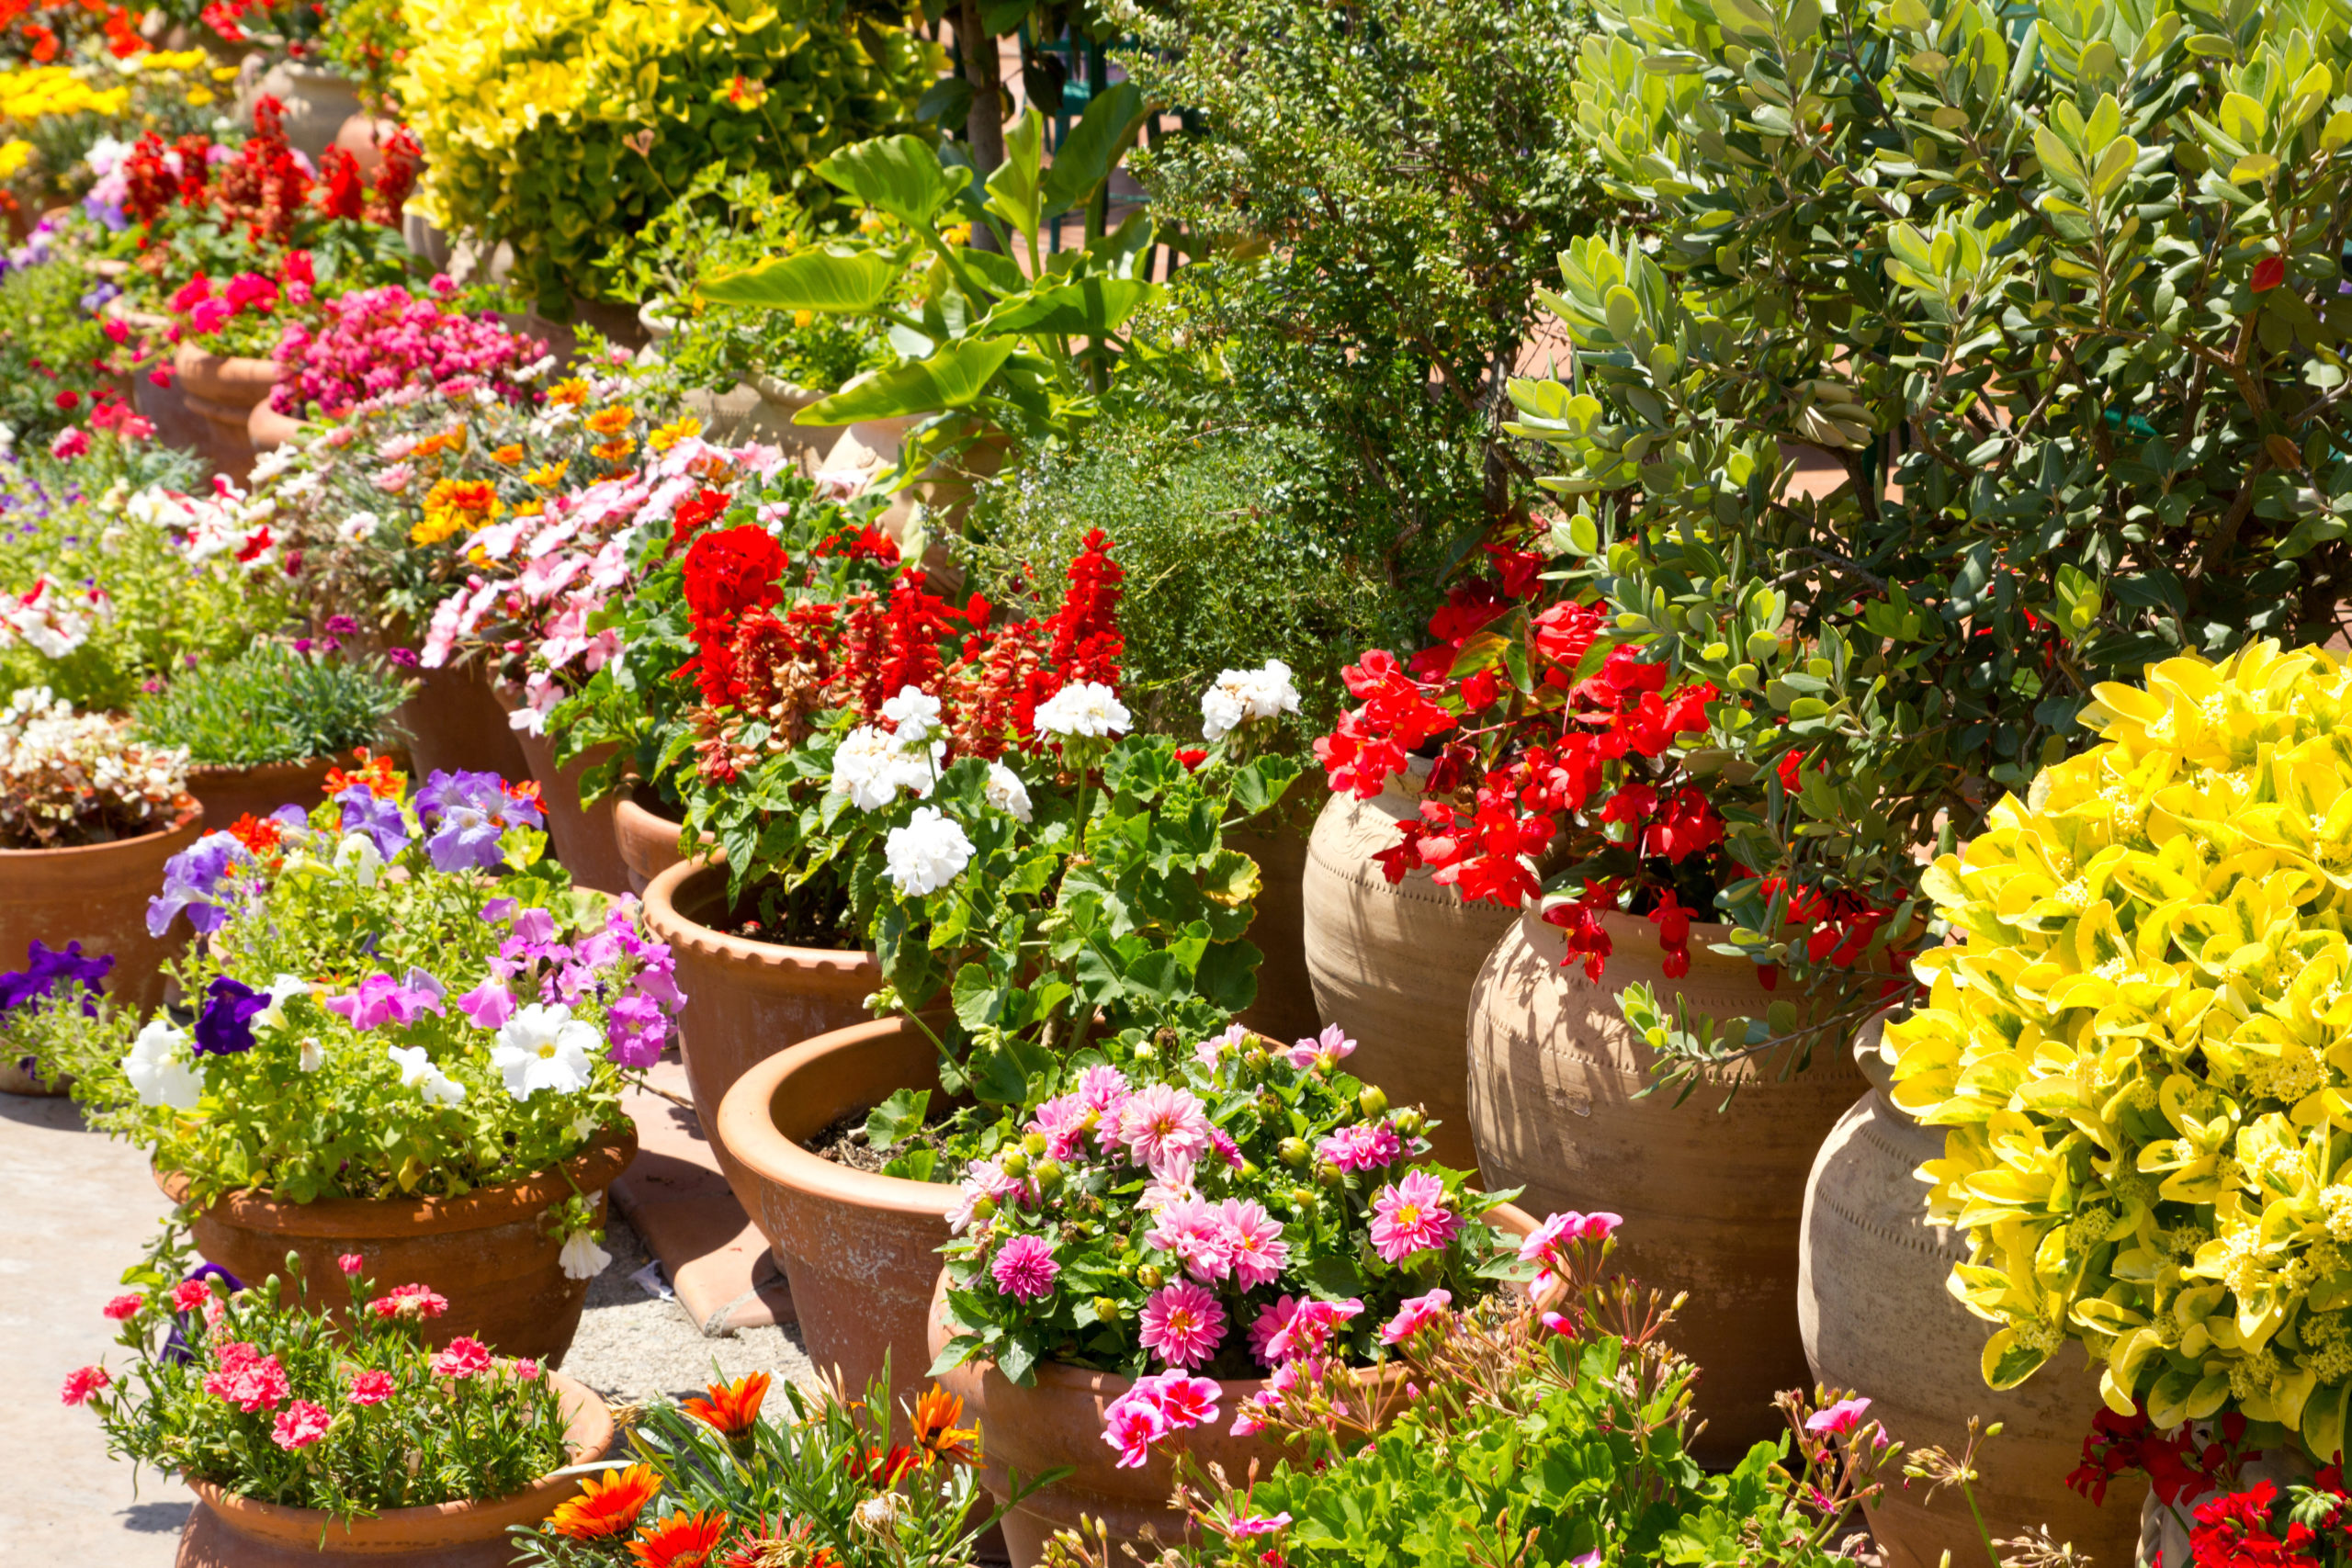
{"points": [[1415, 1315], [1253, 1242], [371, 1388], [1183, 1323], [1025, 1268], [1410, 1216], [300, 1425]]}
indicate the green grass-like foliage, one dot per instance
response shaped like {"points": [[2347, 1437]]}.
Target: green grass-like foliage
{"points": [[271, 704]]}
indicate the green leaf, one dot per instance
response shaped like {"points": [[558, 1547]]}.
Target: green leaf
{"points": [[898, 174], [953, 376], [1092, 307], [1228, 975], [890, 1122], [977, 997], [1013, 188], [811, 280], [1334, 1279], [915, 1165], [1087, 154]]}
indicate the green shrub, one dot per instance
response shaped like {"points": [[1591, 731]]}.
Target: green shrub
{"points": [[271, 704]]}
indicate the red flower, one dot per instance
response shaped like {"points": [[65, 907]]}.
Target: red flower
{"points": [[1673, 922], [82, 1383], [464, 1358], [125, 1307], [682, 1541], [732, 1409], [1685, 825], [260, 835], [729, 574], [698, 510]]}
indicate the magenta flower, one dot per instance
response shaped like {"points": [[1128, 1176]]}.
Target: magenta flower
{"points": [[1837, 1419], [300, 1425], [371, 1388], [1025, 1268], [465, 1357], [1329, 1049], [83, 1381], [489, 1004], [1253, 1242], [1247, 1527], [1189, 1228], [1184, 1324], [1415, 1315], [1062, 1122], [1183, 1400], [251, 1382], [380, 1000], [1161, 1120], [1367, 1146], [1273, 1318], [1410, 1216], [1309, 1328], [1132, 1426]]}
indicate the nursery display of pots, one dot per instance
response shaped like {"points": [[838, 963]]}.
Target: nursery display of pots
{"points": [[1391, 962], [646, 841], [488, 1252], [229, 792], [221, 391], [860, 1249], [228, 1531], [97, 895], [1058, 1421], [1712, 1194], [746, 1000], [1876, 1317], [1284, 1010], [583, 835]]}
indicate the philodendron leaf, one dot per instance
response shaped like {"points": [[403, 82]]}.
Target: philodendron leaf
{"points": [[1092, 307], [898, 174], [816, 281], [1013, 188], [1084, 159], [948, 379]]}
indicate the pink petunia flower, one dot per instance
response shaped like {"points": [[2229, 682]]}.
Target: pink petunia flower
{"points": [[1025, 1268], [1410, 1216], [1415, 1315], [1183, 1323], [300, 1425]]}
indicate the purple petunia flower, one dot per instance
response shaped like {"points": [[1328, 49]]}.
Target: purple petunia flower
{"points": [[381, 999], [45, 967], [225, 1026], [191, 880], [379, 820], [465, 813]]}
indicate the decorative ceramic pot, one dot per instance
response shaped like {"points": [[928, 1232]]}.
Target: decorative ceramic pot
{"points": [[1284, 1010], [222, 389], [646, 841], [266, 430], [1391, 962], [583, 835], [490, 1252], [745, 1000], [1058, 1420], [362, 136], [97, 895], [1877, 1320], [1713, 1195], [228, 1531], [861, 1250]]}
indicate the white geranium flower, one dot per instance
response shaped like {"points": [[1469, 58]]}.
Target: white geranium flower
{"points": [[1243, 694], [543, 1046], [1005, 791], [271, 464], [283, 989], [161, 1067], [928, 853], [418, 1072], [358, 858], [315, 1055], [871, 767], [581, 1258], [915, 712], [1087, 708]]}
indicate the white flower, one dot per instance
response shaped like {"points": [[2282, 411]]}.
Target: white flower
{"points": [[1087, 708], [161, 1067], [1242, 695], [271, 464], [1005, 791], [358, 858], [417, 1072], [879, 1514], [355, 527], [870, 766], [315, 1055], [543, 1046], [283, 989], [582, 1258], [928, 853], [914, 711]]}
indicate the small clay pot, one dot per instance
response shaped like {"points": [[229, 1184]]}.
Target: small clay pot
{"points": [[488, 1252], [861, 1250], [745, 1000], [647, 841], [97, 895], [229, 793], [221, 391], [583, 835], [228, 1531]]}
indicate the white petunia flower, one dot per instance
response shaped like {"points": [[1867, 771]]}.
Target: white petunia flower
{"points": [[358, 858], [1005, 791], [161, 1067], [1087, 708], [581, 1258], [283, 989], [1239, 695], [315, 1055], [926, 854], [418, 1072], [915, 712], [355, 527], [543, 1046]]}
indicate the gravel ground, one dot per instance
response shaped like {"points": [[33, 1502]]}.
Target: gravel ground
{"points": [[635, 1347]]}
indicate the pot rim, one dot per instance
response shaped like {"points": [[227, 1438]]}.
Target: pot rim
{"points": [[189, 359], [190, 822], [591, 1168], [662, 915], [208, 772], [587, 1433], [747, 1130]]}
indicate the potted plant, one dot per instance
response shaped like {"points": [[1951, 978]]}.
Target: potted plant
{"points": [[280, 1416], [88, 819], [58, 992], [373, 341], [410, 1040], [270, 726]]}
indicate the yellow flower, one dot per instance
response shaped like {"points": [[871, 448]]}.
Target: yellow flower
{"points": [[803, 319], [669, 435], [455, 506], [957, 233], [224, 73], [14, 156], [547, 475], [198, 98]]}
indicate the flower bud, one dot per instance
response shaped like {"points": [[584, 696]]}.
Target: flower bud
{"points": [[983, 1207], [1409, 1121], [1034, 1146], [1302, 1197], [1330, 1175], [1295, 1153], [1014, 1163], [1372, 1101], [1144, 1056], [1106, 1309], [1149, 1278], [1257, 1061], [1048, 1174]]}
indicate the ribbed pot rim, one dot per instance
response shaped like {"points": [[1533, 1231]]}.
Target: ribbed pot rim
{"points": [[679, 929], [747, 1129]]}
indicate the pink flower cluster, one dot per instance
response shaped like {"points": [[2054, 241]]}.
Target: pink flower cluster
{"points": [[1543, 1244], [1156, 1407], [246, 1379], [204, 311], [375, 340]]}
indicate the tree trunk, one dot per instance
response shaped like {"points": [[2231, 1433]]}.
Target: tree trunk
{"points": [[984, 126]]}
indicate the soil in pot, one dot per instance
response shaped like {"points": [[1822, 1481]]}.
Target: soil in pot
{"points": [[490, 1252], [1713, 1195], [583, 835], [97, 895], [746, 998], [228, 1531]]}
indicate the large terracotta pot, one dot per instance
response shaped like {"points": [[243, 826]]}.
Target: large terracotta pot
{"points": [[229, 793], [455, 723], [1877, 1320], [1391, 963], [745, 1000], [490, 1252], [1284, 1010], [646, 841], [1712, 1196], [266, 430], [317, 103], [861, 1250], [228, 1531], [1058, 1421], [97, 895], [362, 136], [221, 391], [583, 835]]}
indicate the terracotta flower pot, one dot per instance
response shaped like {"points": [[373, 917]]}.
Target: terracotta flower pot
{"points": [[1058, 1421], [490, 1252], [362, 136], [746, 1000], [221, 391], [583, 835], [455, 724], [266, 430], [1712, 1198], [97, 895], [1877, 1319], [318, 101], [861, 1250], [646, 841], [1391, 963], [1284, 1010], [229, 793], [228, 1531]]}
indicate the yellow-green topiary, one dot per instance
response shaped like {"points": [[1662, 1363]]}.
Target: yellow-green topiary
{"points": [[561, 125], [2143, 1049]]}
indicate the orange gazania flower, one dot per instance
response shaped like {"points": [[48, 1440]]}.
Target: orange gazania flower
{"points": [[607, 1504], [614, 451], [450, 440], [571, 393], [381, 779], [934, 1416], [547, 475], [611, 420], [682, 1541], [732, 1409], [508, 455]]}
